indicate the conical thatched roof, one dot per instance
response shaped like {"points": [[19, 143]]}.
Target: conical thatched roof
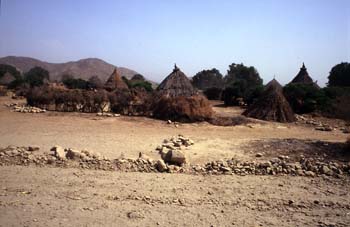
{"points": [[271, 106], [303, 77], [115, 81], [176, 84], [274, 84]]}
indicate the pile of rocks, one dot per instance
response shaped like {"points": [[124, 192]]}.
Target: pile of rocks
{"points": [[276, 166], [25, 109], [320, 126], [68, 157], [172, 151], [104, 114]]}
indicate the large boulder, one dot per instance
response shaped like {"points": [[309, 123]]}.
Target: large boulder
{"points": [[59, 152], [175, 157]]}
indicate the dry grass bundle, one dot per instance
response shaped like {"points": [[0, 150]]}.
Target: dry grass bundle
{"points": [[272, 106], [184, 109]]}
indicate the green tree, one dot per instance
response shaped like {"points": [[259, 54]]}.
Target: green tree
{"points": [[14, 82], [305, 98], [70, 82], [242, 82], [340, 75], [36, 76], [208, 79]]}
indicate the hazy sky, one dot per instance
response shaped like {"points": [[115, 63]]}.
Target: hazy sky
{"points": [[149, 36]]}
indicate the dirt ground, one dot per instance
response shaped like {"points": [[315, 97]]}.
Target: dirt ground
{"points": [[127, 136], [42, 196]]}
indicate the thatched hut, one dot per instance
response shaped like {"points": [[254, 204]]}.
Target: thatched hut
{"points": [[176, 99], [115, 81], [176, 84], [272, 105], [303, 77]]}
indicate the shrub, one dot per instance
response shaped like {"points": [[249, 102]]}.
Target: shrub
{"points": [[36, 77], [305, 98], [213, 93], [73, 83]]}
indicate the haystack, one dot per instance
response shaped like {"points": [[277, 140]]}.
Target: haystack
{"points": [[183, 109], [303, 77], [115, 81], [274, 84], [176, 84], [177, 100], [272, 105]]}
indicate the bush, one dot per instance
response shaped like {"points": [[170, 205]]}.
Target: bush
{"points": [[347, 145], [340, 75], [36, 77], [72, 83], [184, 109], [213, 93], [305, 98], [68, 100], [207, 79]]}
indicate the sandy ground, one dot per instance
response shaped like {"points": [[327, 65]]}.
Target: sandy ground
{"points": [[127, 136], [43, 196], [70, 197]]}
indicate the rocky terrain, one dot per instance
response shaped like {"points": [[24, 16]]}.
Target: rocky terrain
{"points": [[133, 171]]}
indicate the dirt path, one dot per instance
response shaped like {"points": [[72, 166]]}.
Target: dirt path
{"points": [[33, 196]]}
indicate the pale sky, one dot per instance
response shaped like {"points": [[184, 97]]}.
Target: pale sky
{"points": [[149, 36]]}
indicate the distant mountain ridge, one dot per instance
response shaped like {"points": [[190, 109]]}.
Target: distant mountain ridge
{"points": [[84, 68]]}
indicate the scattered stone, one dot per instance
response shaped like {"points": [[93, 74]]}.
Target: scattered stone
{"points": [[161, 166], [135, 215], [175, 157], [258, 155], [310, 174], [326, 170], [59, 152], [104, 114]]}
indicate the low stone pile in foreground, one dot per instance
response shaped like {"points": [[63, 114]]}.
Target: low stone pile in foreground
{"points": [[60, 157], [104, 114], [320, 126], [25, 109], [172, 151]]}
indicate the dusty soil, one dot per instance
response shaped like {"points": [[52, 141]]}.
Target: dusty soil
{"points": [[70, 197], [48, 196], [127, 136]]}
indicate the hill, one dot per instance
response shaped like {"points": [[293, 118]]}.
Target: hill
{"points": [[84, 68]]}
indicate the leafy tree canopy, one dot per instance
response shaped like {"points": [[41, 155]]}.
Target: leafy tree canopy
{"points": [[36, 76], [340, 75], [208, 79]]}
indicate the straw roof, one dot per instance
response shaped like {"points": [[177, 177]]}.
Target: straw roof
{"points": [[274, 84], [303, 77], [115, 81], [176, 84], [272, 105]]}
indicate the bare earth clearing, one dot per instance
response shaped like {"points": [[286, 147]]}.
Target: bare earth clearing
{"points": [[43, 196]]}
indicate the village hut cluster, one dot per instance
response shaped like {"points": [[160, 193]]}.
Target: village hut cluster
{"points": [[272, 105], [174, 99]]}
